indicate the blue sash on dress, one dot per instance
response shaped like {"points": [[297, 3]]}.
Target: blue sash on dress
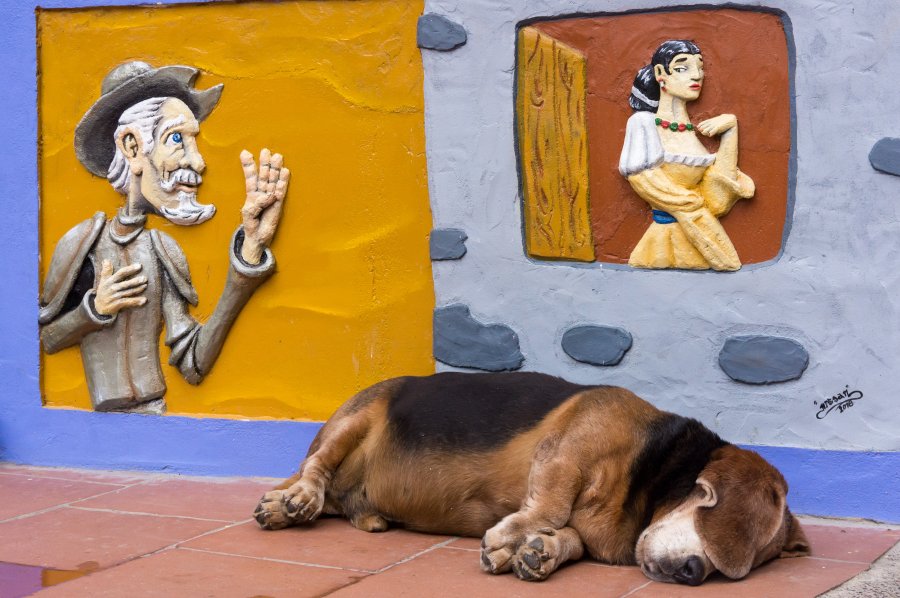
{"points": [[661, 217]]}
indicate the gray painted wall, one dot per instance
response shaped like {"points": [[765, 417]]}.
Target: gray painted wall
{"points": [[834, 289]]}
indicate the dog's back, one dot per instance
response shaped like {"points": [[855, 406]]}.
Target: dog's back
{"points": [[472, 412], [451, 453]]}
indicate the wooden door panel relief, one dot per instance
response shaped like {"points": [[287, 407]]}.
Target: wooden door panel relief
{"points": [[552, 84]]}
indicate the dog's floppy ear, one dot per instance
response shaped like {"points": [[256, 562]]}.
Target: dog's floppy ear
{"points": [[745, 510], [796, 543]]}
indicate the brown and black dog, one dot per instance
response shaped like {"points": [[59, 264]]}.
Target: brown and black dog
{"points": [[543, 469]]}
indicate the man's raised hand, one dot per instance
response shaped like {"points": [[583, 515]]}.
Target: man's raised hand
{"points": [[266, 189]]}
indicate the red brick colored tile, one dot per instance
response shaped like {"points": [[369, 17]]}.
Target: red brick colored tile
{"points": [[860, 544], [75, 475], [466, 544], [330, 542], [69, 538], [226, 501], [794, 578], [179, 572], [20, 494], [448, 572]]}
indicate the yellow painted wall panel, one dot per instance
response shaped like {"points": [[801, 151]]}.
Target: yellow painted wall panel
{"points": [[336, 86], [552, 88]]}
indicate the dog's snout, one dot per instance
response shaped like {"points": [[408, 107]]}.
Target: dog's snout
{"points": [[691, 572]]}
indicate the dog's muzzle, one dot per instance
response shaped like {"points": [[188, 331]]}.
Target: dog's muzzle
{"points": [[689, 571]]}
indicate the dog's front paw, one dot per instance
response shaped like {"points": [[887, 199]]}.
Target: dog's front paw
{"points": [[535, 560], [271, 512], [497, 560], [498, 546], [305, 501]]}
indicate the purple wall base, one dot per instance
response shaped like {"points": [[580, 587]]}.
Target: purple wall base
{"points": [[828, 483], [839, 483], [172, 444]]}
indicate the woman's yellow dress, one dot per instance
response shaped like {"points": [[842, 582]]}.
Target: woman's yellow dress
{"points": [[688, 194]]}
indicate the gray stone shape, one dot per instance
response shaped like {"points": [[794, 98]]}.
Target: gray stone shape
{"points": [[885, 156], [434, 32], [596, 345], [763, 359], [447, 244], [462, 341]]}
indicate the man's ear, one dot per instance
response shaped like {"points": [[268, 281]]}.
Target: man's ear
{"points": [[129, 143], [796, 543]]}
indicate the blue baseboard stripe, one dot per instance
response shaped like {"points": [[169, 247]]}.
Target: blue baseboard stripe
{"points": [[826, 483]]}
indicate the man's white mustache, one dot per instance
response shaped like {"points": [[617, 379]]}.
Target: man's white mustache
{"points": [[182, 175], [188, 212]]}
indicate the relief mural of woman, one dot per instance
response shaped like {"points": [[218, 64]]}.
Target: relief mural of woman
{"points": [[665, 163]]}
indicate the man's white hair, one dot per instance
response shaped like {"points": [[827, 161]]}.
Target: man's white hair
{"points": [[143, 117]]}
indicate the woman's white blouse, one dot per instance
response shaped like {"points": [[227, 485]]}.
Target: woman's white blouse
{"points": [[643, 148]]}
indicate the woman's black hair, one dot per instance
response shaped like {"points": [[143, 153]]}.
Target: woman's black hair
{"points": [[645, 82]]}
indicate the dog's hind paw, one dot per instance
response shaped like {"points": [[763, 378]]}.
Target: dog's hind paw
{"points": [[370, 522]]}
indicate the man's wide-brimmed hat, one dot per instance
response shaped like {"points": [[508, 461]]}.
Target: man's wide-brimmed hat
{"points": [[125, 86]]}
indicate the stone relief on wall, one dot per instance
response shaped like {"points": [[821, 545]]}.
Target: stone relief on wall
{"points": [[574, 79], [688, 188], [112, 284]]}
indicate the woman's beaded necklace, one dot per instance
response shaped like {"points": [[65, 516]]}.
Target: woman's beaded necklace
{"points": [[674, 126]]}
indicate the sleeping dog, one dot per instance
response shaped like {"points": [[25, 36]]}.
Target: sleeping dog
{"points": [[543, 469]]}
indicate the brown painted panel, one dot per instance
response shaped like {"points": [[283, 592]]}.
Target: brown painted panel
{"points": [[745, 56]]}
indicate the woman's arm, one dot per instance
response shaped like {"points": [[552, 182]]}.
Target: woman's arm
{"points": [[724, 184], [727, 156], [655, 187]]}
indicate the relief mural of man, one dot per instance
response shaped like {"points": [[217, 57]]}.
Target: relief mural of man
{"points": [[112, 284]]}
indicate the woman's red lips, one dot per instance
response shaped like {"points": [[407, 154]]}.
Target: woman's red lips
{"points": [[695, 86]]}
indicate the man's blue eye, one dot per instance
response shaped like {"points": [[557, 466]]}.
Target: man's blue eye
{"points": [[176, 137]]}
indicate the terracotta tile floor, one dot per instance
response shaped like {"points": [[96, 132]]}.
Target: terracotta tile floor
{"points": [[67, 532]]}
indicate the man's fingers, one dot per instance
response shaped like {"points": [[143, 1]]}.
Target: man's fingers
{"points": [[120, 304], [129, 283], [274, 172], [262, 202], [280, 190], [106, 269], [252, 210], [277, 161], [138, 290], [265, 157], [125, 272], [249, 167], [281, 185]]}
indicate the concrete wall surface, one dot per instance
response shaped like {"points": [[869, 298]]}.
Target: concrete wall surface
{"points": [[833, 289]]}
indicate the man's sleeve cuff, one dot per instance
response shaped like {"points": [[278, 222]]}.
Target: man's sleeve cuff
{"points": [[93, 314], [265, 267]]}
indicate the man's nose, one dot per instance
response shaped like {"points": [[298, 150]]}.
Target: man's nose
{"points": [[192, 158]]}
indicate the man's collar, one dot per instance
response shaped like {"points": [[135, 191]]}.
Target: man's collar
{"points": [[125, 227]]}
